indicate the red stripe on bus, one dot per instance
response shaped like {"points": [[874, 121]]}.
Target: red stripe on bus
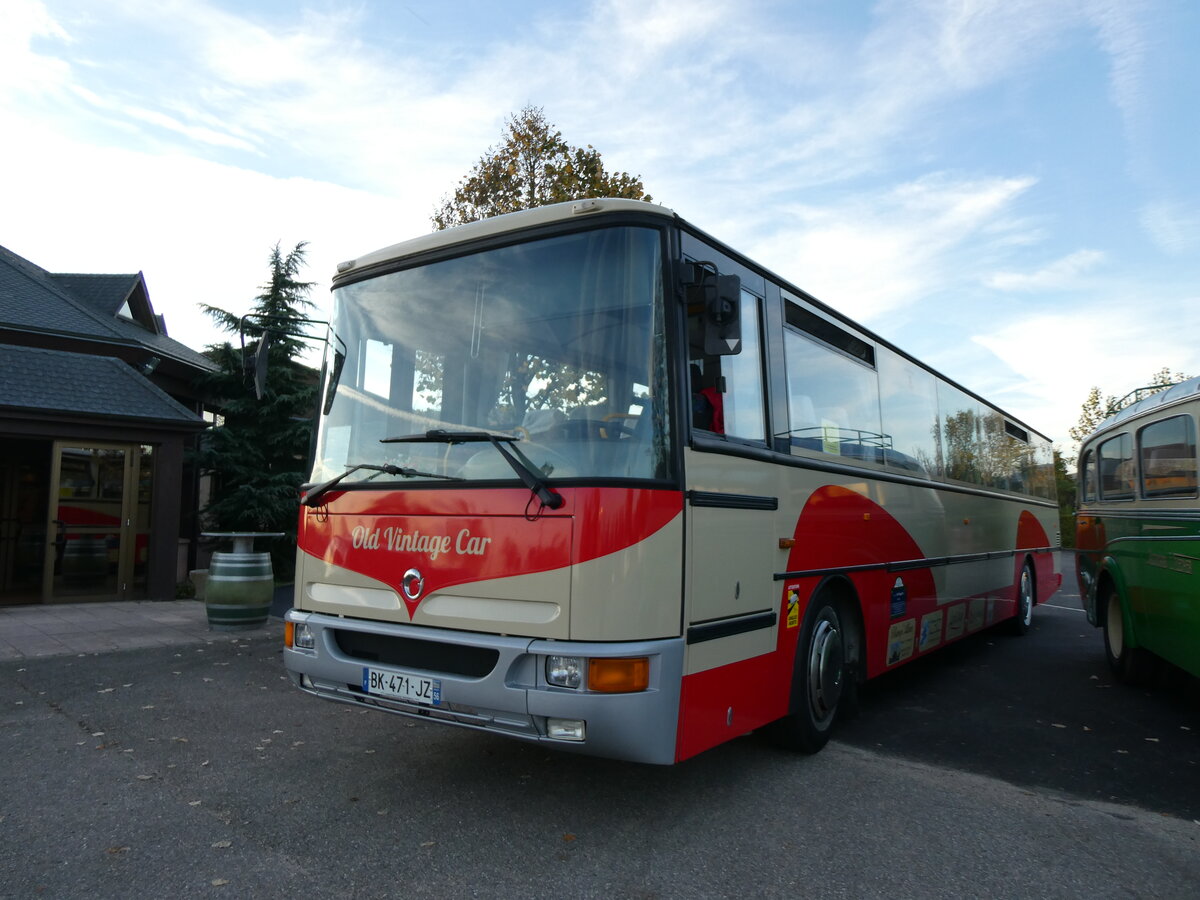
{"points": [[837, 528], [840, 527]]}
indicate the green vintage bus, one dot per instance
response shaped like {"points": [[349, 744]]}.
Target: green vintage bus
{"points": [[1138, 533]]}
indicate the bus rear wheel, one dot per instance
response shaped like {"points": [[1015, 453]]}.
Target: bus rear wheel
{"points": [[1132, 665], [1026, 598], [821, 682]]}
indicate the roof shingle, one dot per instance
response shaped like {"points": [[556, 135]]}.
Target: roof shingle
{"points": [[78, 383]]}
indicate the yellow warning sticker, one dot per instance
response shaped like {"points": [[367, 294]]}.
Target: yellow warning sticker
{"points": [[793, 609]]}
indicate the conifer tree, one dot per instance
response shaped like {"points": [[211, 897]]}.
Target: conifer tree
{"points": [[257, 454]]}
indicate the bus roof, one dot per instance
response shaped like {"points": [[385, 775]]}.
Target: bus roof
{"points": [[1174, 394], [485, 228], [521, 220]]}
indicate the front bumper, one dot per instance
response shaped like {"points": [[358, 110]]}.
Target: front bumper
{"points": [[495, 683]]}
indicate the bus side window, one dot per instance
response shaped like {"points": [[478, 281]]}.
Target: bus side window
{"points": [[1168, 456], [833, 401], [1087, 471], [705, 400], [1116, 468], [727, 391]]}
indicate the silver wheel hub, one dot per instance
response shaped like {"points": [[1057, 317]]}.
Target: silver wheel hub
{"points": [[1026, 600], [826, 668]]}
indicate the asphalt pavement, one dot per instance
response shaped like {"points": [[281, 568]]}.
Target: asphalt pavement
{"points": [[998, 767], [67, 629]]}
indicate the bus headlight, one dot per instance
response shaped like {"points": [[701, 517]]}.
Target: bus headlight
{"points": [[566, 729], [303, 638], [564, 671]]}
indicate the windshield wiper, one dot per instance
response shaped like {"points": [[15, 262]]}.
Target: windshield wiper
{"points": [[526, 471], [312, 496]]}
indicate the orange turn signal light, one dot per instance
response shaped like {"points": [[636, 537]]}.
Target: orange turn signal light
{"points": [[289, 634], [623, 675]]}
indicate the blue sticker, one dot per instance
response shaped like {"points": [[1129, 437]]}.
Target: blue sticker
{"points": [[899, 599]]}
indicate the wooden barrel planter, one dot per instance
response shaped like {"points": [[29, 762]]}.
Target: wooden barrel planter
{"points": [[240, 586]]}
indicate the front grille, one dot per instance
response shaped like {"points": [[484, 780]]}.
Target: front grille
{"points": [[455, 659]]}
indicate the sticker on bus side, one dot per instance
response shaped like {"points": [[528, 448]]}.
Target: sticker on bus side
{"points": [[975, 613], [900, 641], [954, 621], [899, 599], [931, 631], [793, 606]]}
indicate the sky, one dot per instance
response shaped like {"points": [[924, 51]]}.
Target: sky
{"points": [[1008, 191]]}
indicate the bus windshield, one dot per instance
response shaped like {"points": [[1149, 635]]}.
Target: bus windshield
{"points": [[557, 342]]}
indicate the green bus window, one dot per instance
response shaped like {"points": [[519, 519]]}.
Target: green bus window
{"points": [[1116, 468], [1087, 471], [1168, 457]]}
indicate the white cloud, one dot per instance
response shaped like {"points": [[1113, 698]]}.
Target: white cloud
{"points": [[1061, 274], [1173, 225], [200, 231], [21, 69], [1115, 345], [874, 253]]}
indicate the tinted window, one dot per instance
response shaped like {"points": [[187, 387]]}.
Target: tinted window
{"points": [[727, 391], [961, 418], [908, 404], [744, 410], [833, 401]]}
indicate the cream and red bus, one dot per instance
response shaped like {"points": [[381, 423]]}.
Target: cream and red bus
{"points": [[587, 477]]}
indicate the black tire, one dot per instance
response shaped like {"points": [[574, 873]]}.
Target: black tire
{"points": [[1132, 665], [822, 684], [1026, 600]]}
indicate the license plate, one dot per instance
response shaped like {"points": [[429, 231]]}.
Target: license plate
{"points": [[401, 686]]}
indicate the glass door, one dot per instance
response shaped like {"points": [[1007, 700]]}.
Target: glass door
{"points": [[24, 499], [95, 524]]}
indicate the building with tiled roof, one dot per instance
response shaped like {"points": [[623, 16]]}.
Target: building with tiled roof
{"points": [[97, 408]]}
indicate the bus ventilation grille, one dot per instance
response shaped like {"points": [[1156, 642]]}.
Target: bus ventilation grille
{"points": [[433, 656]]}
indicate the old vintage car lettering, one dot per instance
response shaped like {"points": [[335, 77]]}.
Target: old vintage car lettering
{"points": [[395, 539]]}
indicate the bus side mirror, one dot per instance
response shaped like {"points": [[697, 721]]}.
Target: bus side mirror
{"points": [[722, 315]]}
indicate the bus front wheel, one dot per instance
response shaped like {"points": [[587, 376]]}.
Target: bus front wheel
{"points": [[1132, 665], [822, 683]]}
